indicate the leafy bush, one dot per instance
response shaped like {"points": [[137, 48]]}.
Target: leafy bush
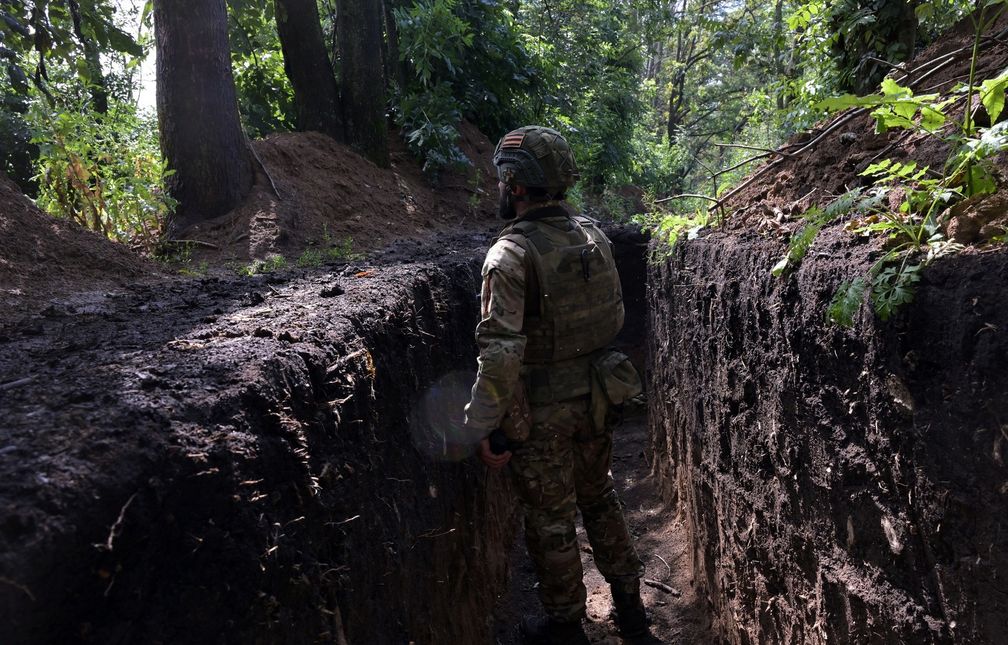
{"points": [[429, 120], [103, 171]]}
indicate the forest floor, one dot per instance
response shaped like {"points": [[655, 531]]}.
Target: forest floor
{"points": [[678, 616]]}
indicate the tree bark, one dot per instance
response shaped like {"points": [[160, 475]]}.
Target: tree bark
{"points": [[395, 69], [307, 64], [362, 81], [200, 131]]}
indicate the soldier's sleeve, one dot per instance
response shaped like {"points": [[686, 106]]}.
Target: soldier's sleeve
{"points": [[498, 336]]}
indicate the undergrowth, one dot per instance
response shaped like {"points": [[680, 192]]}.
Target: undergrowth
{"points": [[913, 231]]}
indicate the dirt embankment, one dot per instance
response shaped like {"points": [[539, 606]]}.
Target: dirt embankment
{"points": [[233, 461], [838, 486]]}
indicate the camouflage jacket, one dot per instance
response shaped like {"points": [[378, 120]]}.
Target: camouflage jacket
{"points": [[499, 336]]}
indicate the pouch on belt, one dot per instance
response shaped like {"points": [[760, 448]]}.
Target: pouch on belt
{"points": [[614, 382]]}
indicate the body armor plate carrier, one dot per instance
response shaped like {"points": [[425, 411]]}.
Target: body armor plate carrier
{"points": [[573, 304]]}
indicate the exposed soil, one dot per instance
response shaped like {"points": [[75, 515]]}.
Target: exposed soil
{"points": [[232, 459], [226, 459], [314, 193], [40, 255], [838, 486]]}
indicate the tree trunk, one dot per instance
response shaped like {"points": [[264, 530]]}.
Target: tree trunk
{"points": [[363, 85], [395, 69], [201, 135], [306, 62]]}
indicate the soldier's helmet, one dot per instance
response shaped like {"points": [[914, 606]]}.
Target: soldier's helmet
{"points": [[536, 157]]}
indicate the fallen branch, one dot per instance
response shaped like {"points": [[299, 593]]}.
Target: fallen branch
{"points": [[207, 245], [255, 155], [665, 563], [756, 148], [685, 196], [662, 586], [18, 585], [741, 163]]}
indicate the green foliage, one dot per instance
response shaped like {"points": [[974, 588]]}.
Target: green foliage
{"points": [[434, 40], [330, 252], [272, 263], [893, 287], [992, 95], [429, 120], [846, 302], [672, 227], [816, 218], [103, 171], [265, 96], [35, 34]]}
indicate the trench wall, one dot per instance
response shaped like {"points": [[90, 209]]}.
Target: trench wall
{"points": [[838, 486], [233, 462]]}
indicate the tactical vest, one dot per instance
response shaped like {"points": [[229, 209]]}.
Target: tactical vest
{"points": [[574, 304]]}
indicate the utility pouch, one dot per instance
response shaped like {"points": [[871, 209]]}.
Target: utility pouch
{"points": [[614, 382], [517, 421]]}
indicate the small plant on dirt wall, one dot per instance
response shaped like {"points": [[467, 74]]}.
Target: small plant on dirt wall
{"points": [[103, 171], [913, 228]]}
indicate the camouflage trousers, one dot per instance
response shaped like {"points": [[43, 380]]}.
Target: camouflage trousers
{"points": [[564, 466]]}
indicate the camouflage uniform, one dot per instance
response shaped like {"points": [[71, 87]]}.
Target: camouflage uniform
{"points": [[564, 464]]}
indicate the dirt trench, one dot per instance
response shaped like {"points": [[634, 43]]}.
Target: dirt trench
{"points": [[231, 461], [240, 460], [837, 486]]}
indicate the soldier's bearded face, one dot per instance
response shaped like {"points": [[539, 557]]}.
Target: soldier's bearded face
{"points": [[505, 205]]}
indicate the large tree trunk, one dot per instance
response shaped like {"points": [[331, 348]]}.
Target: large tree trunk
{"points": [[201, 135], [363, 84], [395, 69], [307, 64]]}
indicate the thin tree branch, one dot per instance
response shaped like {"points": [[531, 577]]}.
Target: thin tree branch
{"points": [[685, 196], [756, 148]]}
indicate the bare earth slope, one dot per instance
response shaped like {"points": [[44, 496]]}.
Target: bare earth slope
{"points": [[838, 486]]}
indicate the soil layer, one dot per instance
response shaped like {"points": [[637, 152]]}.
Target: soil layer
{"points": [[837, 486], [233, 461]]}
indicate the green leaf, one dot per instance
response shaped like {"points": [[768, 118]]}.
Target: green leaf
{"points": [[894, 287], [834, 103], [846, 302], [931, 120], [892, 89], [992, 95]]}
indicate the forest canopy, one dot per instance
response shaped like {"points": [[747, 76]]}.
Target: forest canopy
{"points": [[669, 97]]}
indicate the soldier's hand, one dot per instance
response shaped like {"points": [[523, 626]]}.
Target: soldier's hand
{"points": [[487, 456]]}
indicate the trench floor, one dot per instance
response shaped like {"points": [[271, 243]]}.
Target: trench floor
{"points": [[677, 616]]}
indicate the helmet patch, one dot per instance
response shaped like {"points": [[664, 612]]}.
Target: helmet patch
{"points": [[513, 140]]}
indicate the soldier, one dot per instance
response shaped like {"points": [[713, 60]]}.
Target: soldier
{"points": [[551, 304]]}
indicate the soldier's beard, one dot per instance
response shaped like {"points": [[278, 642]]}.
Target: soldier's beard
{"points": [[505, 205]]}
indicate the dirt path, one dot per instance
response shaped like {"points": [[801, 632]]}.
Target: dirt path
{"points": [[675, 619]]}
